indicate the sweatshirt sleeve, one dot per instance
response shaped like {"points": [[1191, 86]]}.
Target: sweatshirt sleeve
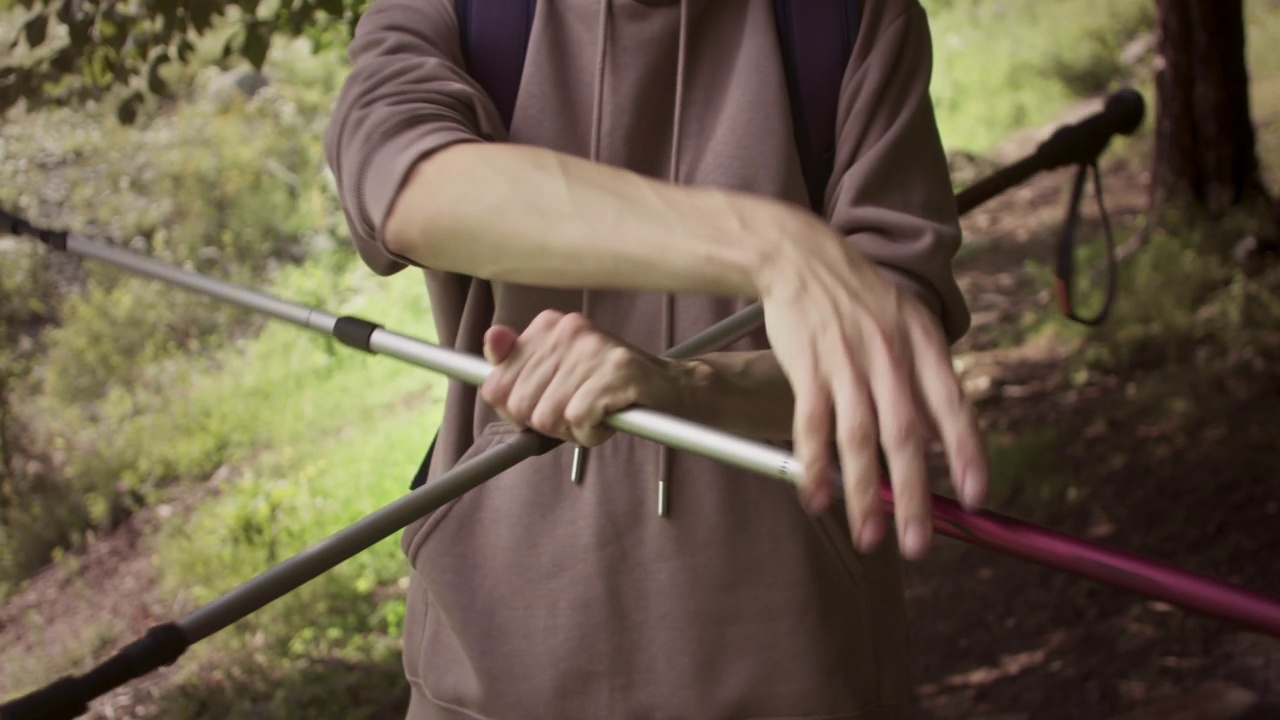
{"points": [[890, 192], [405, 97]]}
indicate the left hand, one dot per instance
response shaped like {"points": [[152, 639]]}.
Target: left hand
{"points": [[562, 376]]}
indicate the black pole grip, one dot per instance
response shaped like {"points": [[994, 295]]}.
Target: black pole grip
{"points": [[1076, 144], [1084, 141], [11, 224], [69, 697]]}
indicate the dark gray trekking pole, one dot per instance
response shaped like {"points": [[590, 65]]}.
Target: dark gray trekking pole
{"points": [[1081, 144], [70, 696], [164, 644]]}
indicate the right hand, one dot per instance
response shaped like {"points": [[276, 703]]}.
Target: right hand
{"points": [[870, 368]]}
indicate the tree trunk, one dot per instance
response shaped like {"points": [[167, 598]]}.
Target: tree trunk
{"points": [[1205, 151]]}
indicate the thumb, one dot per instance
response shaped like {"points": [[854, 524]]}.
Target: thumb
{"points": [[498, 342]]}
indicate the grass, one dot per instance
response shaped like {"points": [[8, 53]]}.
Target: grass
{"points": [[1001, 66], [340, 435]]}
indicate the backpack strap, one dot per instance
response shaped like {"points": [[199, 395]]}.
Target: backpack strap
{"points": [[494, 35], [817, 39]]}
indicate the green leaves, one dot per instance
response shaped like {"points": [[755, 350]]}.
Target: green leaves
{"points": [[72, 50]]}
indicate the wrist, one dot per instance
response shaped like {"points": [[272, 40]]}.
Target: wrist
{"points": [[687, 388], [785, 239]]}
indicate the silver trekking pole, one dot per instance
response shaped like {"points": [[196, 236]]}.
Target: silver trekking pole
{"points": [[69, 697]]}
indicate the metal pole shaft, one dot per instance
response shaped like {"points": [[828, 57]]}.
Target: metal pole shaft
{"points": [[1007, 535]]}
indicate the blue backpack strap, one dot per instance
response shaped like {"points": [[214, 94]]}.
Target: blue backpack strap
{"points": [[494, 35], [817, 39]]}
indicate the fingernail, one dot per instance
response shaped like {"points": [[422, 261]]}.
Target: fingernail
{"points": [[973, 490], [914, 545], [870, 534]]}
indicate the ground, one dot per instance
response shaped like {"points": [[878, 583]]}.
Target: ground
{"points": [[994, 637], [1178, 468]]}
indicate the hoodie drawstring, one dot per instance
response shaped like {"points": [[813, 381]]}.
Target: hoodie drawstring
{"points": [[577, 467], [668, 300], [667, 339]]}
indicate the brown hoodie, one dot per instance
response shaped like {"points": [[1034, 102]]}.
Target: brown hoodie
{"points": [[532, 597]]}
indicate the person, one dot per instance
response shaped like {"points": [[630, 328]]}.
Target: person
{"points": [[647, 187]]}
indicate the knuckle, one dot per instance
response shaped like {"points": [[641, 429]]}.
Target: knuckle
{"points": [[574, 321], [618, 359], [578, 416], [544, 419], [520, 406], [860, 433], [901, 434], [545, 319], [495, 388]]}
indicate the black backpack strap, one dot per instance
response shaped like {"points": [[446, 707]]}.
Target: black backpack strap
{"points": [[494, 35], [817, 38]]}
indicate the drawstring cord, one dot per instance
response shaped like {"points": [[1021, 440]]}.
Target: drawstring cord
{"points": [[577, 471], [577, 468], [668, 300]]}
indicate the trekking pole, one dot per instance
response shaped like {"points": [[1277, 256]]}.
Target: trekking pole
{"points": [[164, 644], [1078, 144]]}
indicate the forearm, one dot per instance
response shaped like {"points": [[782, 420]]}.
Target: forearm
{"points": [[537, 217], [745, 393]]}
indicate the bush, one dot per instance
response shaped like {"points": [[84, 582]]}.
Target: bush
{"points": [[237, 192], [1179, 299], [1088, 62]]}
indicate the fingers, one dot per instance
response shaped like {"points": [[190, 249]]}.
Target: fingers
{"points": [[560, 377], [518, 379], [580, 361], [902, 437], [951, 412], [856, 437], [597, 398], [499, 341], [811, 434]]}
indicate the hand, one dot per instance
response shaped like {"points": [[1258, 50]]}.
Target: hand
{"points": [[562, 377], [873, 362]]}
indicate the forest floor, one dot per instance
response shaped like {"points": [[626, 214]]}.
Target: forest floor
{"points": [[1173, 462]]}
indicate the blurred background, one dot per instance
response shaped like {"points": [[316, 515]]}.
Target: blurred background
{"points": [[157, 448]]}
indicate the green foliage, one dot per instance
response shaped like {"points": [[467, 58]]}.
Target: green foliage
{"points": [[256, 197], [73, 50], [109, 418], [995, 61], [1087, 60], [1179, 300], [338, 435]]}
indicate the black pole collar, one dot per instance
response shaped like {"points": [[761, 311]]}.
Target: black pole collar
{"points": [[11, 224]]}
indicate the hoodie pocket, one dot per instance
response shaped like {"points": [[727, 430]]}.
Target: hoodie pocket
{"points": [[417, 533]]}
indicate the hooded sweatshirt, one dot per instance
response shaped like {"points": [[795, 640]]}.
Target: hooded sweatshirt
{"points": [[535, 597]]}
